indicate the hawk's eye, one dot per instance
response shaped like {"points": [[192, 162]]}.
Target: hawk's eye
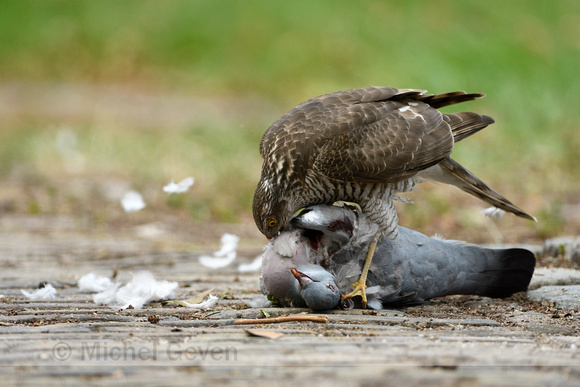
{"points": [[272, 223]]}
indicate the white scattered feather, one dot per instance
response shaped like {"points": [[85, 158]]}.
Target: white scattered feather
{"points": [[107, 297], [142, 289], [180, 187], [229, 245], [258, 302], [255, 265], [493, 212], [216, 262], [94, 283], [151, 230], [225, 256], [375, 304], [210, 302], [132, 201], [48, 292]]}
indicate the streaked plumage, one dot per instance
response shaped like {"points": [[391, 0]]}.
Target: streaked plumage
{"points": [[410, 269]]}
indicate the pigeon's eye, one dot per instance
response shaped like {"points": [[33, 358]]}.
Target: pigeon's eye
{"points": [[272, 223]]}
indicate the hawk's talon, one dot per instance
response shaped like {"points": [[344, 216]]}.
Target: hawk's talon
{"points": [[358, 290], [360, 285]]}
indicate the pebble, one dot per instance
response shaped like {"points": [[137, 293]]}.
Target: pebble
{"points": [[564, 297], [554, 276], [568, 246]]}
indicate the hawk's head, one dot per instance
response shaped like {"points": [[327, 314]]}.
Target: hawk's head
{"points": [[271, 209]]}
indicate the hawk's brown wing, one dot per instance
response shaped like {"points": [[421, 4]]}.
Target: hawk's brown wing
{"points": [[375, 134], [387, 141], [320, 115]]}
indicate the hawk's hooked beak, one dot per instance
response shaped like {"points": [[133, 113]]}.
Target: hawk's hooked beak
{"points": [[272, 237]]}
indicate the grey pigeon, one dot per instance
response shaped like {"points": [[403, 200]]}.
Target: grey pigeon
{"points": [[328, 244]]}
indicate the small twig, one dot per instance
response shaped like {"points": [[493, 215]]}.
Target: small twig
{"points": [[274, 320]]}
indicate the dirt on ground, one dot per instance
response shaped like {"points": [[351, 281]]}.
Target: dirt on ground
{"points": [[454, 340]]}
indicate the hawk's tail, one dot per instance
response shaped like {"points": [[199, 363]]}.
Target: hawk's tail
{"points": [[453, 173], [445, 99], [462, 124], [466, 123]]}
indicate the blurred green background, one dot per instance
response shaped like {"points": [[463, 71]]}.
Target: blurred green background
{"points": [[97, 97]]}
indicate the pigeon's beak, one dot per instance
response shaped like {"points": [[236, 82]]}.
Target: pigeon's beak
{"points": [[302, 278], [296, 273]]}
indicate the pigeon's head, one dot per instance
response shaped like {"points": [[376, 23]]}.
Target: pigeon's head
{"points": [[317, 287]]}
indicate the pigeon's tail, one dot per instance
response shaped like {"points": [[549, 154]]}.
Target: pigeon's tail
{"points": [[488, 272], [416, 268], [451, 172], [507, 272]]}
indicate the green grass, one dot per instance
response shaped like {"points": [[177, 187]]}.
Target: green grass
{"points": [[523, 54]]}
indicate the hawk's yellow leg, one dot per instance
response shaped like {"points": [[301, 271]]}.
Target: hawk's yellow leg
{"points": [[360, 285]]}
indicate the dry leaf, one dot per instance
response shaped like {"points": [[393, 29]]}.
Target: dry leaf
{"points": [[193, 300], [265, 333]]}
